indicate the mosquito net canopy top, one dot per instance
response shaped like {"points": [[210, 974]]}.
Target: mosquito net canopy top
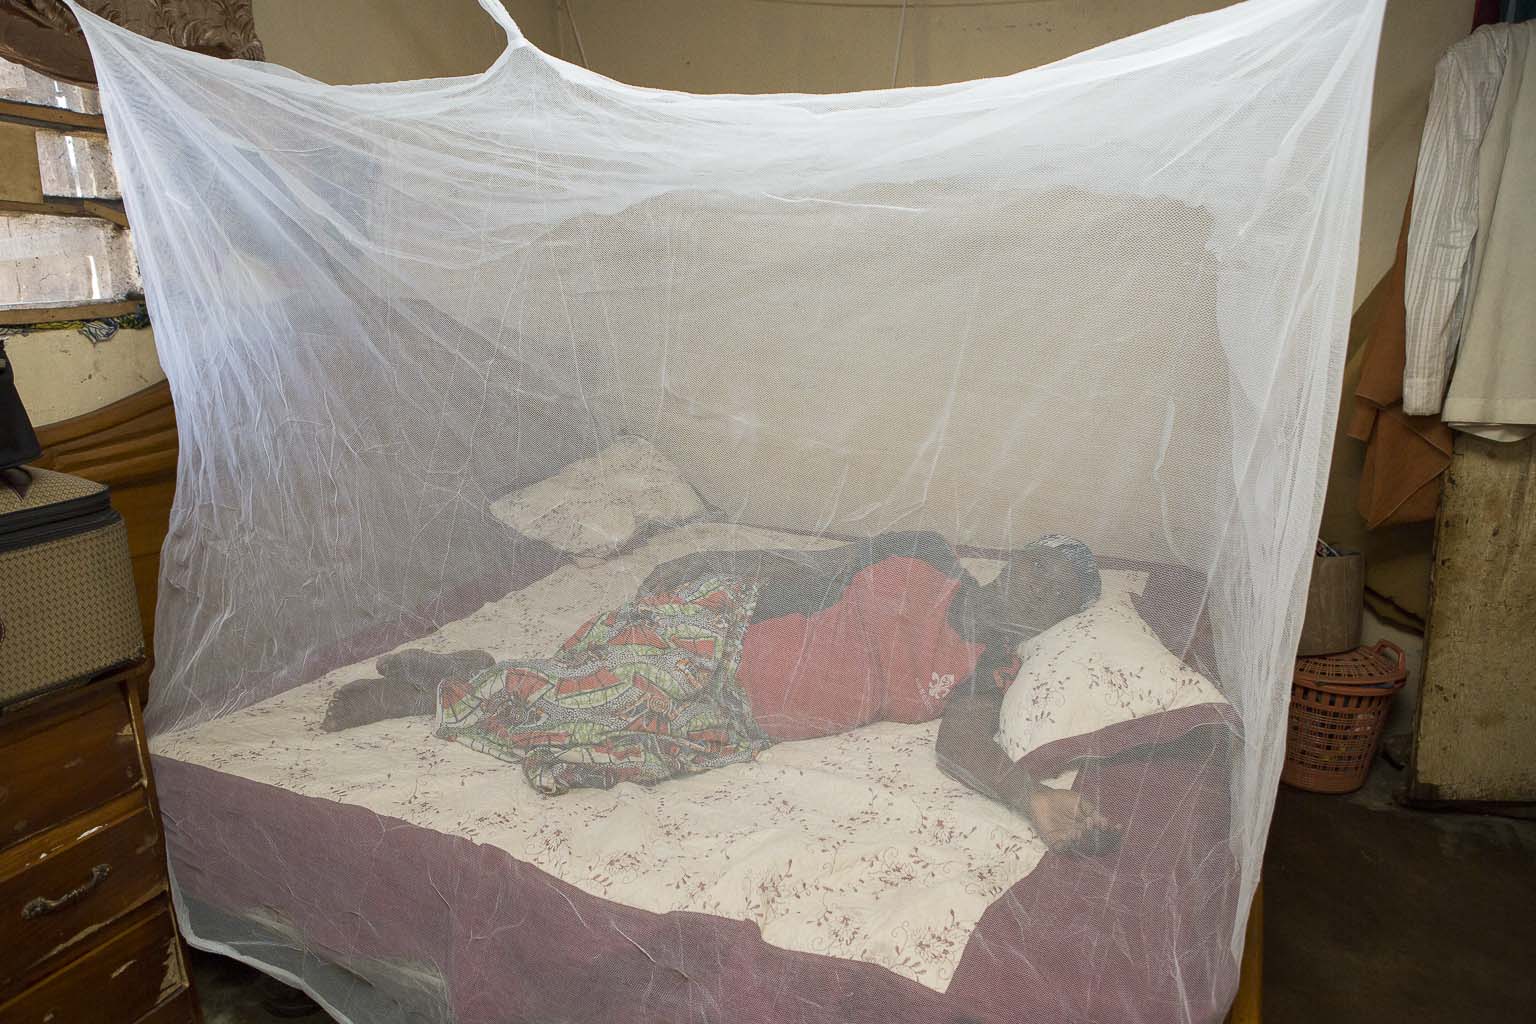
{"points": [[651, 556]]}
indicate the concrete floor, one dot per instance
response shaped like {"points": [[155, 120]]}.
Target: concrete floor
{"points": [[1377, 913], [1373, 913]]}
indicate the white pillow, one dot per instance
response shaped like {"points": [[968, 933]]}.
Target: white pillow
{"points": [[1101, 669], [598, 505]]}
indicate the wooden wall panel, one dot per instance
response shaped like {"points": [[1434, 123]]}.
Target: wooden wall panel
{"points": [[131, 447]]}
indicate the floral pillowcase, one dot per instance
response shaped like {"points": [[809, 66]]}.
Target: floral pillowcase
{"points": [[1100, 683], [595, 507]]}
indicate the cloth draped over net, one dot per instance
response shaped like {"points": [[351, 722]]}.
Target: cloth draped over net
{"points": [[1106, 299]]}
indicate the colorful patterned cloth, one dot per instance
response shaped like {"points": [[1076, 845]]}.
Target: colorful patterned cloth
{"points": [[97, 329], [642, 694]]}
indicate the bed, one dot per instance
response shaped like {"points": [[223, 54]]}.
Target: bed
{"points": [[885, 891], [1091, 309]]}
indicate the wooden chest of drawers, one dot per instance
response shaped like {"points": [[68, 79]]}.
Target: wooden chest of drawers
{"points": [[87, 932]]}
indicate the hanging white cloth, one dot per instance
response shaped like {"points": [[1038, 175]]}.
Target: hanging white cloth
{"points": [[1472, 243]]}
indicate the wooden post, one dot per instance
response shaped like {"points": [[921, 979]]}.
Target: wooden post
{"points": [[1475, 737]]}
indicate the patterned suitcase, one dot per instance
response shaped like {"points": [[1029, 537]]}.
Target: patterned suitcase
{"points": [[67, 604]]}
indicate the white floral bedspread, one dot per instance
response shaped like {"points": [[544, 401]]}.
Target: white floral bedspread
{"points": [[853, 846]]}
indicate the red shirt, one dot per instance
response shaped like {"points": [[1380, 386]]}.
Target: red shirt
{"points": [[884, 651]]}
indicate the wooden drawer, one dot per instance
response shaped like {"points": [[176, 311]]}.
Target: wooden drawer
{"points": [[122, 979], [72, 881], [63, 755]]}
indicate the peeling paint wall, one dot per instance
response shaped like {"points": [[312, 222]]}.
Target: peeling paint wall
{"points": [[62, 373]]}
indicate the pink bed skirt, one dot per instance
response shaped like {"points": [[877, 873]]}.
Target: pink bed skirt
{"points": [[1067, 943]]}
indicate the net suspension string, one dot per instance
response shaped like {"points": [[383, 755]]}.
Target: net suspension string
{"points": [[901, 32], [570, 16]]}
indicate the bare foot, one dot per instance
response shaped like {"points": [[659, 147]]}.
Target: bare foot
{"points": [[373, 700], [1070, 823]]}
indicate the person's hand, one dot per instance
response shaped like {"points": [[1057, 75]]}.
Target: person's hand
{"points": [[1070, 823]]}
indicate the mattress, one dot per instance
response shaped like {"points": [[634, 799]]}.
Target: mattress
{"points": [[851, 849], [854, 845]]}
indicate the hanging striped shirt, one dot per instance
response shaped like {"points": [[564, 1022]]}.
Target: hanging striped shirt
{"points": [[1445, 212]]}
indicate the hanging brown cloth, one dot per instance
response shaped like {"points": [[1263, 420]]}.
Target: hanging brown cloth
{"points": [[43, 35], [1405, 456]]}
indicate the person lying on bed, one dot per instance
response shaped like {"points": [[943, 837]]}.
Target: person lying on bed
{"points": [[723, 653]]}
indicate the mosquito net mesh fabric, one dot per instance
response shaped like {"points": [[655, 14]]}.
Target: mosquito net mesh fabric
{"points": [[665, 557]]}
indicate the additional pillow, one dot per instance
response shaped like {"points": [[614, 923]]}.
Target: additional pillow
{"points": [[598, 505], [1099, 683]]}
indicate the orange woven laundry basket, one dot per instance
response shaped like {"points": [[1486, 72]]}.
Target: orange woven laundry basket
{"points": [[1339, 703]]}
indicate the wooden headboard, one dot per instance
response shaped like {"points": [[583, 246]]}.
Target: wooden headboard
{"points": [[131, 447]]}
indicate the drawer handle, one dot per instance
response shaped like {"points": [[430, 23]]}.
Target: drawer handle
{"points": [[41, 905]]}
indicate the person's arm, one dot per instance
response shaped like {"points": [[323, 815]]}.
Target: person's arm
{"points": [[968, 752], [799, 580], [788, 569]]}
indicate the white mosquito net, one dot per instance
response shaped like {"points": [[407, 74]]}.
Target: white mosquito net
{"points": [[651, 556]]}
